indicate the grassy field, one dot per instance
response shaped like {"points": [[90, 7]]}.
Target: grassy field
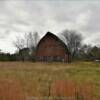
{"points": [[34, 78]]}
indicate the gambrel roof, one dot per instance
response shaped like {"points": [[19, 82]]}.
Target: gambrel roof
{"points": [[56, 38]]}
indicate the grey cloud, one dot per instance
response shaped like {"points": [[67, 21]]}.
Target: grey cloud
{"points": [[93, 25], [54, 15]]}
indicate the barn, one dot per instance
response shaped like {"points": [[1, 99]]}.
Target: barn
{"points": [[51, 49]]}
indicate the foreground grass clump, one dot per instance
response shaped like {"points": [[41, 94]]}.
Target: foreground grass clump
{"points": [[34, 79]]}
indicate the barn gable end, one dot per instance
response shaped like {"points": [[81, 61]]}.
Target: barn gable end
{"points": [[51, 48]]}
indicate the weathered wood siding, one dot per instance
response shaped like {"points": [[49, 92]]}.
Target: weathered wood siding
{"points": [[51, 49]]}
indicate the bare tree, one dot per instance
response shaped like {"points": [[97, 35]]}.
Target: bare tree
{"points": [[27, 43], [32, 39], [29, 40], [73, 41], [19, 43]]}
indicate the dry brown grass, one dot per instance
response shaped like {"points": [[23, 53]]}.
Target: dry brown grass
{"points": [[63, 88], [69, 89], [10, 90], [85, 91], [27, 80]]}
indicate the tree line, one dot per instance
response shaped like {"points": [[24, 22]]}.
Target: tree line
{"points": [[26, 47]]}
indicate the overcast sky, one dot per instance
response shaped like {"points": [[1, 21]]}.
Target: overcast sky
{"points": [[21, 16]]}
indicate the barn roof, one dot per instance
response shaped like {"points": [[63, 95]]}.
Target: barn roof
{"points": [[55, 37]]}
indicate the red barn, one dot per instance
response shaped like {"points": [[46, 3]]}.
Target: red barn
{"points": [[51, 48]]}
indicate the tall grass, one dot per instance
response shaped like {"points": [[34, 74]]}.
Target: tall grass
{"points": [[10, 90], [28, 80]]}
